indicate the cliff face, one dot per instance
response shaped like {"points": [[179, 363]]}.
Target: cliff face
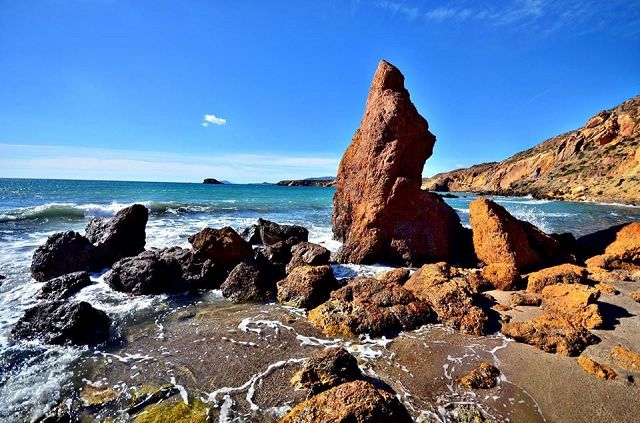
{"points": [[599, 162], [311, 182]]}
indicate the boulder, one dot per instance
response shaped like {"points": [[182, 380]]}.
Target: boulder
{"points": [[502, 276], [63, 253], [498, 237], [331, 367], [352, 402], [397, 276], [251, 234], [635, 296], [525, 299], [307, 286], [166, 271], [144, 274], [379, 211], [121, 236], [563, 273], [271, 233], [449, 296], [485, 376], [64, 286], [224, 246], [592, 367], [370, 306], [575, 303], [63, 323], [106, 241], [250, 281], [626, 359], [307, 253], [620, 242], [551, 333]]}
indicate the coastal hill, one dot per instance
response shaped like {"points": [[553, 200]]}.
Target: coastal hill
{"points": [[598, 162], [323, 181]]}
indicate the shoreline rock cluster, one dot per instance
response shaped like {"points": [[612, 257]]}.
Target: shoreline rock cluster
{"points": [[381, 215]]}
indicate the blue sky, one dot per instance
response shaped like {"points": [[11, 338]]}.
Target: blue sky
{"points": [[253, 91]]}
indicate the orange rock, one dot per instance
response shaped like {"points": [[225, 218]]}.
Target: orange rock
{"points": [[307, 286], [564, 273], [551, 333], [370, 306], [449, 297], [525, 299], [380, 213], [625, 358], [485, 376], [399, 275], [499, 237], [592, 367], [574, 302], [635, 296], [502, 276], [353, 402]]}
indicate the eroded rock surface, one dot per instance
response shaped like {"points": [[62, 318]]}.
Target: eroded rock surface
{"points": [[380, 213], [485, 376], [224, 246], [498, 237], [307, 253], [551, 333], [370, 306], [62, 323], [307, 286], [593, 367], [352, 402], [564, 273], [331, 367], [502, 276], [576, 303], [449, 297], [63, 253], [64, 286], [250, 281]]}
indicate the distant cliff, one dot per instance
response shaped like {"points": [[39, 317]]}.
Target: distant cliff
{"points": [[598, 162], [328, 181]]}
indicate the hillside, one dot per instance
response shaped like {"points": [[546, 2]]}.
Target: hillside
{"points": [[598, 162]]}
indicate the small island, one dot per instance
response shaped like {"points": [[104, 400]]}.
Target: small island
{"points": [[211, 181], [325, 181]]}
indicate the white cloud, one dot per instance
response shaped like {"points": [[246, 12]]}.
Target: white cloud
{"points": [[213, 120]]}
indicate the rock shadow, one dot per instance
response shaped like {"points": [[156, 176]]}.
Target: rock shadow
{"points": [[611, 315]]}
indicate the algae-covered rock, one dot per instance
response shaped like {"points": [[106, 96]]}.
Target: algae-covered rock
{"points": [[195, 411]]}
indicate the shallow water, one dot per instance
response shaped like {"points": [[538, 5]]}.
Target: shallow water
{"points": [[34, 377]]}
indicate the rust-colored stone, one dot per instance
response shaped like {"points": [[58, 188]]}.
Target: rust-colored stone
{"points": [[380, 212], [563, 273]]}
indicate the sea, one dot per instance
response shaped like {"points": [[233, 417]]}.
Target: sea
{"points": [[35, 377]]}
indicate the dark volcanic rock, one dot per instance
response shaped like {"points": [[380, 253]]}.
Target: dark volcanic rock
{"points": [[370, 306], [106, 241], [250, 281], [63, 253], [307, 253], [59, 322], [351, 402], [307, 286], [121, 236], [251, 234], [64, 286], [331, 367], [380, 213], [165, 271], [144, 274], [271, 233], [223, 246]]}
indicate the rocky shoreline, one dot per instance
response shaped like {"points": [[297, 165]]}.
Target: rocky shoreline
{"points": [[514, 300]]}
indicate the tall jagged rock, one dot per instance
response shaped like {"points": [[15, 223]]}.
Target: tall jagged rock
{"points": [[380, 212]]}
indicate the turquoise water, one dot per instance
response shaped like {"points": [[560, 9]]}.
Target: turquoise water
{"points": [[31, 376]]}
